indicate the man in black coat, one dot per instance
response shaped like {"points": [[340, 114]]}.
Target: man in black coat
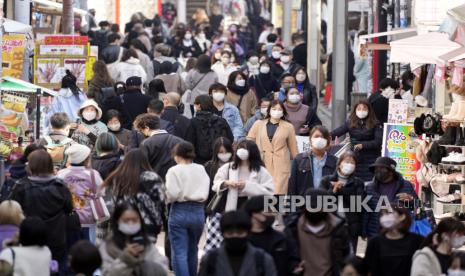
{"points": [[300, 50], [158, 145], [380, 100], [134, 102], [111, 53], [171, 114], [156, 108]]}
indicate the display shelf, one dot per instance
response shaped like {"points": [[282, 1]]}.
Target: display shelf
{"points": [[452, 146], [451, 165], [452, 120]]}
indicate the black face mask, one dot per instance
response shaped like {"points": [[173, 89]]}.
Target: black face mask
{"points": [[268, 222], [382, 176], [315, 218], [235, 246]]}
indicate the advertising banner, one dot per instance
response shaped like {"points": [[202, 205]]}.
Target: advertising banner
{"points": [[400, 145], [13, 47]]}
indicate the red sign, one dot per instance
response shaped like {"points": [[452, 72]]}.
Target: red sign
{"points": [[66, 40]]}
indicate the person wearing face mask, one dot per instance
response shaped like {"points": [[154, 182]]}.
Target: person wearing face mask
{"points": [[89, 128], [202, 40], [252, 65], [344, 183], [263, 83], [366, 136], [114, 127], [287, 64], [308, 168], [391, 252], [275, 243], [222, 154], [390, 184], [435, 258], [323, 240], [187, 186], [457, 267], [380, 99], [260, 114], [236, 256], [205, 128], [226, 110], [306, 89], [287, 81], [298, 114], [187, 45], [129, 251], [224, 67], [244, 177], [240, 95], [276, 140], [108, 154]]}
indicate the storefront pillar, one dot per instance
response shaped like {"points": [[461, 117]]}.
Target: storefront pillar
{"points": [[314, 44]]}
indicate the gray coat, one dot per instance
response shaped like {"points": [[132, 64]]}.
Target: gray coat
{"points": [[248, 268], [197, 85]]}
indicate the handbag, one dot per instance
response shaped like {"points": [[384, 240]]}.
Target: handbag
{"points": [[99, 208], [218, 203], [73, 223], [423, 222]]}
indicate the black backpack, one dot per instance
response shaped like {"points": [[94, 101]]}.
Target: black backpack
{"points": [[259, 262], [206, 135]]}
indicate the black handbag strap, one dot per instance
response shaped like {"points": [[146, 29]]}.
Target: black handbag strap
{"points": [[197, 83]]}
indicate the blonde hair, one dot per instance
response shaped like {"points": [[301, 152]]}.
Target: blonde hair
{"points": [[11, 213]]}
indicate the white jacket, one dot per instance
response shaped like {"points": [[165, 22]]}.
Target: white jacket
{"points": [[425, 263], [258, 183], [130, 68]]}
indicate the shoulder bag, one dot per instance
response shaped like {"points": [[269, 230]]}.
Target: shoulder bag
{"points": [[218, 202]]}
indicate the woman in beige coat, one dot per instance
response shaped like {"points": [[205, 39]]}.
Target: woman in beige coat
{"points": [[240, 95], [276, 140]]}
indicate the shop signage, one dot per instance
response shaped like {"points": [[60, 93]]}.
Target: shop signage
{"points": [[13, 46]]}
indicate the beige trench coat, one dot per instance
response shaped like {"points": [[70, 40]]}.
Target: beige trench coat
{"points": [[248, 105], [278, 153]]}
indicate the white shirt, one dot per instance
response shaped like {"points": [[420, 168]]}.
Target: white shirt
{"points": [[223, 72], [187, 182], [29, 260]]}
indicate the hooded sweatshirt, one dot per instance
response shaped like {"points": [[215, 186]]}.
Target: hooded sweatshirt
{"points": [[130, 68]]}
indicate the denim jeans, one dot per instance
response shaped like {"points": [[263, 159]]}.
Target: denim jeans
{"points": [[185, 226]]}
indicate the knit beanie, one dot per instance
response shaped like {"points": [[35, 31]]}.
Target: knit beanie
{"points": [[77, 153]]}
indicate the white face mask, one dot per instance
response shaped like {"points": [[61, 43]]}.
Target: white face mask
{"points": [[243, 154], [276, 114], [347, 168], [300, 77], [387, 221], [240, 83], [202, 36], [218, 56], [457, 242], [114, 127], [188, 36], [129, 229], [388, 93], [253, 60], [361, 114], [89, 115], [224, 157], [225, 60], [276, 54], [264, 69], [285, 59], [264, 111], [319, 143], [293, 98], [218, 96], [455, 272]]}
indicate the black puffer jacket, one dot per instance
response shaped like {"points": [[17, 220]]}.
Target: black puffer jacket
{"points": [[206, 127], [106, 164], [371, 140], [380, 105], [353, 187]]}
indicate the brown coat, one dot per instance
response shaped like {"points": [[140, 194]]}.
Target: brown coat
{"points": [[248, 104], [278, 153]]}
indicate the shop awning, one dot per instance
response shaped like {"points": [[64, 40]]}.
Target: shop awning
{"points": [[396, 34], [423, 49], [12, 26], [13, 84], [58, 6]]}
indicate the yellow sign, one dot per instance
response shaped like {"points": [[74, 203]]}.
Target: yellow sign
{"points": [[13, 47]]}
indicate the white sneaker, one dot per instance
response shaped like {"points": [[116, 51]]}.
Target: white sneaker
{"points": [[458, 159], [443, 216], [449, 158]]}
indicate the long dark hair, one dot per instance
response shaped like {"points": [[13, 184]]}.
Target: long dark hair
{"points": [[447, 225], [124, 181], [101, 75], [255, 159], [370, 121], [203, 64], [69, 81], [118, 237], [221, 142], [137, 44], [156, 86]]}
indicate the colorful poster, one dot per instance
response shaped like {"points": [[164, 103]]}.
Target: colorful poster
{"points": [[13, 47], [400, 145], [49, 71], [73, 50], [66, 40], [77, 67], [13, 115], [398, 111]]}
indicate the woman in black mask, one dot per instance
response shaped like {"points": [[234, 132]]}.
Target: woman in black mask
{"points": [[264, 83], [236, 254]]}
